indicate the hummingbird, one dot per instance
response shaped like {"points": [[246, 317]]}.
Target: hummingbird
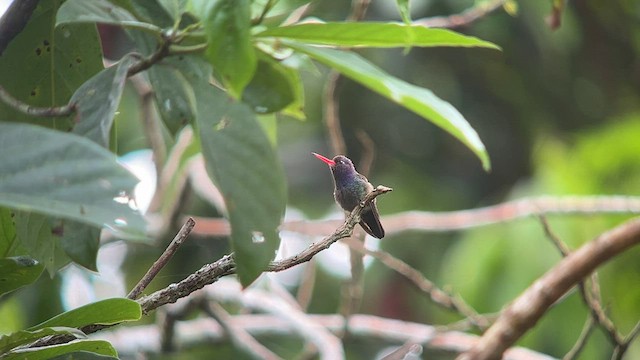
{"points": [[350, 189]]}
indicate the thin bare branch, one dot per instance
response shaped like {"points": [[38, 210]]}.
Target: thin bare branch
{"points": [[619, 350], [329, 346], [180, 237], [307, 283], [240, 338], [25, 108], [590, 298], [437, 295], [331, 114], [206, 330], [528, 308], [582, 339], [478, 11]]}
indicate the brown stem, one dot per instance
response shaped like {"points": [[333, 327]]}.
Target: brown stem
{"points": [[528, 308], [180, 237]]}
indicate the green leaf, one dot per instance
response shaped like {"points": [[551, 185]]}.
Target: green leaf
{"points": [[79, 241], [47, 352], [173, 94], [227, 25], [104, 312], [48, 64], [244, 166], [36, 235], [419, 100], [374, 34], [83, 355], [97, 101], [405, 11], [269, 125], [18, 338], [7, 232], [16, 272], [153, 12], [100, 11], [66, 176], [269, 90]]}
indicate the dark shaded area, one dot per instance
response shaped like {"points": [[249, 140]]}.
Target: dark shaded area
{"points": [[14, 20]]}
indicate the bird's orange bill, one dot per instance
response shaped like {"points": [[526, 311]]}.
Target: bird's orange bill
{"points": [[326, 160]]}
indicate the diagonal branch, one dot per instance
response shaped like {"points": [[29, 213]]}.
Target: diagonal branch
{"points": [[523, 313], [590, 298], [180, 237], [437, 295]]}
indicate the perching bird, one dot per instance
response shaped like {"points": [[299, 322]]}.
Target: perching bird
{"points": [[350, 189]]}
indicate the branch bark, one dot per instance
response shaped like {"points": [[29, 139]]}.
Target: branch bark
{"points": [[523, 313]]}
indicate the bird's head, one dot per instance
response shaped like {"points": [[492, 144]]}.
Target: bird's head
{"points": [[340, 164]]}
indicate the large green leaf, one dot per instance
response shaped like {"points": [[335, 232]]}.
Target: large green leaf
{"points": [[47, 64], [105, 312], [374, 34], [243, 164], [66, 176], [7, 232], [227, 25], [18, 338], [16, 272], [100, 11], [97, 100], [419, 100], [47, 352]]}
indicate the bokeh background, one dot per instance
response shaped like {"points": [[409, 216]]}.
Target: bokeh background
{"points": [[559, 112]]}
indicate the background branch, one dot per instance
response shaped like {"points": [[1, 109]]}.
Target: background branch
{"points": [[206, 330], [478, 11], [460, 219], [438, 296]]}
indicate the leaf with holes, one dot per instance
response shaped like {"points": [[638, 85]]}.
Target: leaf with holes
{"points": [[244, 165], [48, 64]]}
